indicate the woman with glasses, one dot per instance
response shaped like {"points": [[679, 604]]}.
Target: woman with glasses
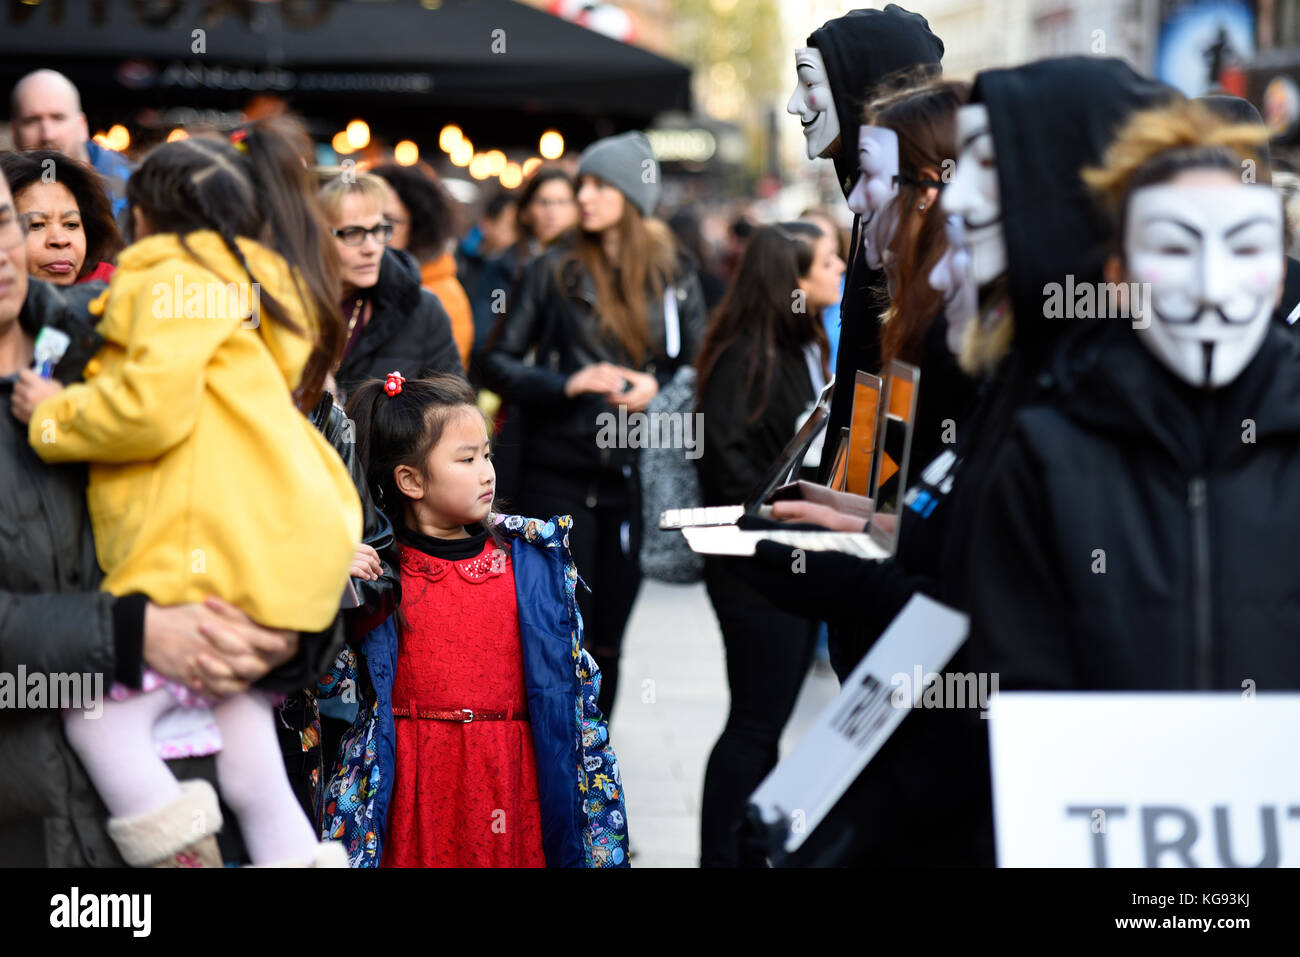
{"points": [[392, 323], [425, 225]]}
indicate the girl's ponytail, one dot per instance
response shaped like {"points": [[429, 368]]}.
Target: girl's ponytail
{"points": [[279, 152], [254, 186]]}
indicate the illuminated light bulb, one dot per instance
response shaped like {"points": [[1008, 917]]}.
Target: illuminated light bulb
{"points": [[449, 137], [406, 153], [358, 134], [496, 161], [512, 175], [341, 144], [118, 138], [531, 164], [462, 153], [551, 145]]}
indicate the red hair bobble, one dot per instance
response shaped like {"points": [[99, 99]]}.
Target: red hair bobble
{"points": [[393, 384]]}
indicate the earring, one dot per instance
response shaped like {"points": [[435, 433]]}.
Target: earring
{"points": [[921, 207]]}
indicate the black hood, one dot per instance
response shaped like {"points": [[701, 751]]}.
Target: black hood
{"points": [[860, 49], [1050, 120]]}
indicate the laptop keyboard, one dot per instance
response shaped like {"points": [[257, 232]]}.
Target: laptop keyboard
{"points": [[857, 544], [712, 515]]}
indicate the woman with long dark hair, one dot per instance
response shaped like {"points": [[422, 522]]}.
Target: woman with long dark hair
{"points": [[762, 364], [71, 234], [609, 316]]}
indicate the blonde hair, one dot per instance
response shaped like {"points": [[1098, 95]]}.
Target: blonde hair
{"points": [[333, 193], [1156, 145]]}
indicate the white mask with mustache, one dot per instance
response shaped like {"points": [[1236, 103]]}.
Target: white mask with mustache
{"points": [[1212, 258], [952, 276], [877, 187], [813, 102], [975, 196]]}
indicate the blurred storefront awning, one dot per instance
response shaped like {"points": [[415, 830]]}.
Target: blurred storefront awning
{"points": [[491, 63]]}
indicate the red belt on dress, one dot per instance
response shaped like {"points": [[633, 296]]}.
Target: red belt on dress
{"points": [[459, 715]]}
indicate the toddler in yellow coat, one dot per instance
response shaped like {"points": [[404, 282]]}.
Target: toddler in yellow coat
{"points": [[205, 478]]}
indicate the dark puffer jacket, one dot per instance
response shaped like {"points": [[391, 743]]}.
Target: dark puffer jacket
{"points": [[52, 619], [408, 332], [551, 331]]}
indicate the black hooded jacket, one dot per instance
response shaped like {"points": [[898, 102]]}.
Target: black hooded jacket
{"points": [[1139, 533], [924, 798], [408, 332], [860, 49]]}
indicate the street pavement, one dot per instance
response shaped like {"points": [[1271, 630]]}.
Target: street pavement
{"points": [[672, 704]]}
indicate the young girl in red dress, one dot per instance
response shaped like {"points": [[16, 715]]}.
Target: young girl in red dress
{"points": [[475, 697]]}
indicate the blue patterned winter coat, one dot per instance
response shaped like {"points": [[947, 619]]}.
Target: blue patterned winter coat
{"points": [[584, 823]]}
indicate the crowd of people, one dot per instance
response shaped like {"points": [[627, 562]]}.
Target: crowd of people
{"points": [[357, 556]]}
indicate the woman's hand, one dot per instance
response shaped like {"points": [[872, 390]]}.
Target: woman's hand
{"points": [[30, 391], [599, 377], [366, 564], [816, 514], [213, 648], [644, 388]]}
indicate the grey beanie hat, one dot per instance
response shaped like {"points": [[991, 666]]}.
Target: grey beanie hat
{"points": [[627, 163]]}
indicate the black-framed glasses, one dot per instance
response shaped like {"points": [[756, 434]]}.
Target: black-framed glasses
{"points": [[356, 235], [904, 180]]}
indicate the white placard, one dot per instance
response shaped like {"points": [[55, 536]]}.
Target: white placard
{"points": [[875, 698], [1146, 780]]}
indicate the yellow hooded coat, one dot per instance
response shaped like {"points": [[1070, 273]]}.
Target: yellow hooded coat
{"points": [[205, 479]]}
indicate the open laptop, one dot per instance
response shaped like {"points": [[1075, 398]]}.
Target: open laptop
{"points": [[863, 433], [896, 426], [787, 462]]}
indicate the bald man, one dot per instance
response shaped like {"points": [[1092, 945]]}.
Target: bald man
{"points": [[45, 112]]}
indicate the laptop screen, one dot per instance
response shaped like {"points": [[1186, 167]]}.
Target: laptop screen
{"points": [[862, 433], [794, 450], [897, 423]]}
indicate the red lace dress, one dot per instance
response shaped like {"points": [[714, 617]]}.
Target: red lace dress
{"points": [[464, 794]]}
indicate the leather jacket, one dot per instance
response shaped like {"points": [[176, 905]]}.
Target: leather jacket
{"points": [[552, 330], [378, 597]]}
